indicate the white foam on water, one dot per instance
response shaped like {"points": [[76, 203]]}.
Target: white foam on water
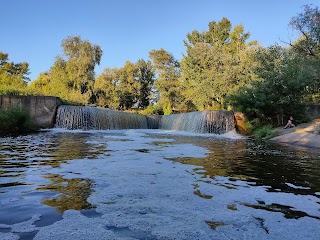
{"points": [[229, 135], [296, 187], [140, 195]]}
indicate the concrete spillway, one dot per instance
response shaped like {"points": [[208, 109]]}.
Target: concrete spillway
{"points": [[79, 117]]}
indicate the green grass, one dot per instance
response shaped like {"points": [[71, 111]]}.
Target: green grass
{"points": [[15, 121]]}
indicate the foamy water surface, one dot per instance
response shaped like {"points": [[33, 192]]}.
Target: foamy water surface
{"points": [[153, 184]]}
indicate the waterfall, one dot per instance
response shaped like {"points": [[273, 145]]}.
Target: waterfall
{"points": [[154, 121], [217, 122], [79, 117]]}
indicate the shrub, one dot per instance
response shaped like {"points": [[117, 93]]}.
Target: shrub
{"points": [[15, 121], [264, 132]]}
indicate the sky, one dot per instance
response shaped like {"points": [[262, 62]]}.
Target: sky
{"points": [[32, 30]]}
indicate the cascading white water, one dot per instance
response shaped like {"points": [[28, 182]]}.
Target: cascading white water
{"points": [[79, 117], [217, 122]]}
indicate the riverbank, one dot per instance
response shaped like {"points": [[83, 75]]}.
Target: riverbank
{"points": [[305, 135]]}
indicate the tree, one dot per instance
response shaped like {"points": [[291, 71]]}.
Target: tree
{"points": [[145, 77], [81, 58], [168, 73], [106, 89], [285, 81], [218, 63], [308, 24], [72, 75], [307, 46], [13, 76], [122, 88], [128, 87]]}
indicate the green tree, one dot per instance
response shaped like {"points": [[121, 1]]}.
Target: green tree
{"points": [[13, 76], [218, 62], [307, 23], [285, 81], [72, 75], [167, 83], [128, 87], [81, 58], [106, 89], [307, 46], [145, 77]]}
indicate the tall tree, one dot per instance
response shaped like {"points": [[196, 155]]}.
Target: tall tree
{"points": [[307, 46], [13, 76], [307, 23], [72, 75], [128, 86], [218, 62], [145, 77], [168, 73], [81, 59], [106, 89]]}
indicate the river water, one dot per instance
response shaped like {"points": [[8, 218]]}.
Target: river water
{"points": [[152, 184]]}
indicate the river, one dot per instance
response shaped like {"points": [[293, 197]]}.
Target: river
{"points": [[155, 184]]}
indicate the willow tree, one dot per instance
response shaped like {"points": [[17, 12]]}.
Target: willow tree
{"points": [[218, 62], [72, 75], [81, 57]]}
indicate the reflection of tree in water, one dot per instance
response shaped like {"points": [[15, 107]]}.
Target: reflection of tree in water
{"points": [[220, 160], [73, 193], [69, 147], [262, 163]]}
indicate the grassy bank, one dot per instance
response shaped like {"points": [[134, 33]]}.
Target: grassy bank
{"points": [[16, 121]]}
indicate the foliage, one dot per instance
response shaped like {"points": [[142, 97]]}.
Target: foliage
{"points": [[168, 73], [106, 88], [308, 24], [122, 88], [289, 77], [152, 110], [15, 121], [167, 109], [286, 80], [72, 75], [146, 76], [265, 132], [13, 76], [218, 62]]}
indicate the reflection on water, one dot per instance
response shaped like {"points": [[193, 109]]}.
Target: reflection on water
{"points": [[286, 210], [26, 187], [284, 169], [73, 193], [24, 191]]}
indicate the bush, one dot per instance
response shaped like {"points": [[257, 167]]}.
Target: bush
{"points": [[264, 132], [15, 121]]}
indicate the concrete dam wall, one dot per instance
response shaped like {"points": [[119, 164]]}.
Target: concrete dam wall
{"points": [[42, 109]]}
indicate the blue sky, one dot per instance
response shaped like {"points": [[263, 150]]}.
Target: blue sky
{"points": [[32, 30]]}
